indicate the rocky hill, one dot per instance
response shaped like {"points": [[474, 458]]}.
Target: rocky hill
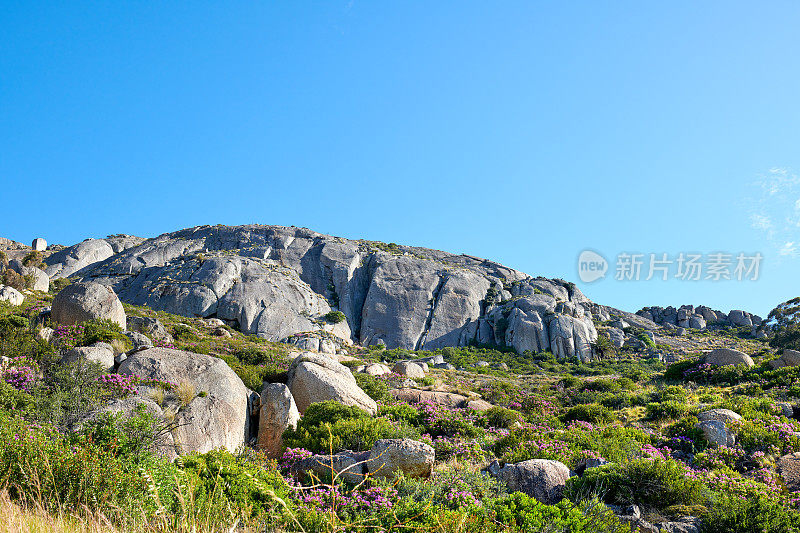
{"points": [[282, 282]]}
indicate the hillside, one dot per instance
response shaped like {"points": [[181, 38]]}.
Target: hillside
{"points": [[273, 379]]}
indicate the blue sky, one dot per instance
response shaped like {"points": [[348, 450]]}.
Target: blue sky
{"points": [[524, 132]]}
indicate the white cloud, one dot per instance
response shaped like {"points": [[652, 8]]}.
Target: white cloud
{"points": [[761, 222], [788, 248], [776, 210]]}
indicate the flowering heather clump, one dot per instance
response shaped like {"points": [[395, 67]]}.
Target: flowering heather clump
{"points": [[335, 497], [119, 385], [700, 373], [292, 456], [163, 344], [20, 372], [69, 336]]}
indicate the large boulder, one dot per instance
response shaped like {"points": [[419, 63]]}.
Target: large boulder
{"points": [[11, 295], [69, 261], [315, 378], [152, 327], [716, 432], [217, 419], [39, 244], [728, 357], [411, 457], [277, 413], [84, 301], [409, 369], [789, 468], [542, 479], [723, 415], [40, 280], [787, 358], [347, 465], [98, 353]]}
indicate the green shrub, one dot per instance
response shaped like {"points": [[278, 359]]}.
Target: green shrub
{"points": [[228, 489], [672, 392], [753, 513], [33, 259], [374, 387], [402, 412], [667, 410], [334, 317], [330, 425], [500, 417], [651, 483], [596, 414], [104, 330]]}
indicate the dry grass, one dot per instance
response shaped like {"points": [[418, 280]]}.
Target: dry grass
{"points": [[186, 392], [16, 519]]}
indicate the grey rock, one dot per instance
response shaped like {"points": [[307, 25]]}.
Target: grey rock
{"points": [[72, 260], [617, 337], [100, 353], [79, 302], [139, 340], [152, 327], [39, 244], [11, 295], [347, 465], [376, 369], [409, 369], [444, 366], [727, 357], [542, 479], [316, 378], [277, 413], [445, 399], [276, 282], [218, 419], [723, 415], [716, 432], [41, 281], [412, 458], [697, 322]]}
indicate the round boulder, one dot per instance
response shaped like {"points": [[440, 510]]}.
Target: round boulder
{"points": [[11, 295], [315, 378], [409, 369], [723, 415], [218, 418], [542, 479], [411, 457], [80, 302], [716, 432], [98, 353], [728, 357]]}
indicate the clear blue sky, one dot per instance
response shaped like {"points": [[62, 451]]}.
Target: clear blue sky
{"points": [[523, 132]]}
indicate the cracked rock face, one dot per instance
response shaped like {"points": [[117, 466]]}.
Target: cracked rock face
{"points": [[278, 282]]}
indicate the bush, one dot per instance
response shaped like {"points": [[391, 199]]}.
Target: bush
{"points": [[652, 483], [329, 425], [596, 414], [334, 317], [104, 330], [374, 387], [33, 259], [753, 513], [14, 280], [227, 489], [500, 417], [667, 410]]}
